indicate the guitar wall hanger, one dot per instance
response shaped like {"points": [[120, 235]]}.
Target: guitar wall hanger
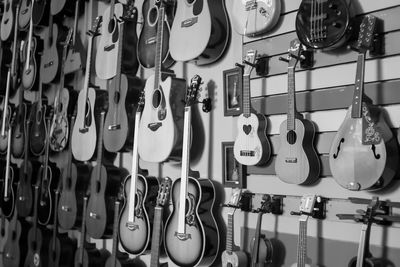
{"points": [[250, 202], [306, 58], [318, 212], [260, 65]]}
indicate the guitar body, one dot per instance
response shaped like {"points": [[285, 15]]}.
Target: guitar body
{"points": [[50, 61], [251, 146], [29, 76], [62, 6], [368, 262], [253, 18], [4, 232], [92, 257], [206, 16], [61, 252], [70, 205], [7, 205], [332, 31], [15, 246], [75, 57], [38, 129], [119, 261], [159, 135], [4, 139], [203, 246], [234, 259], [363, 167], [147, 38], [25, 13], [36, 254], [135, 239], [40, 12], [18, 137], [7, 21], [24, 199], [297, 161]]}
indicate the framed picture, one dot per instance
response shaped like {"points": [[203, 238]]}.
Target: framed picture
{"points": [[233, 91], [233, 173]]}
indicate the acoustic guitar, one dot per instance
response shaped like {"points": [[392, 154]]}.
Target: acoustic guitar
{"points": [[38, 130], [36, 10], [364, 152], [8, 20], [15, 54], [324, 24], [251, 146], [134, 224], [192, 17], [297, 161], [4, 226], [255, 17], [6, 116], [19, 138], [231, 257], [191, 234]]}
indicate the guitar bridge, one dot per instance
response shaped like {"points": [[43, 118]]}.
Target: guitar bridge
{"points": [[154, 126], [131, 226], [183, 236], [247, 153], [83, 130], [114, 127], [93, 215], [109, 47], [189, 22], [291, 160], [65, 208]]}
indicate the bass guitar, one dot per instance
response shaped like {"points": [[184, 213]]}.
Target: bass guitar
{"points": [[191, 227], [159, 120], [251, 146], [147, 42], [192, 17], [231, 257], [364, 151], [297, 161], [134, 224], [322, 24], [162, 202], [255, 17], [75, 180], [7, 20]]}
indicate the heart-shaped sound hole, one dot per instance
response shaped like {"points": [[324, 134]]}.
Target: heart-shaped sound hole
{"points": [[247, 129]]}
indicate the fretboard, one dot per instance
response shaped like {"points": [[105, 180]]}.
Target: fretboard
{"points": [[229, 234], [291, 99], [115, 229], [363, 246], [246, 96], [159, 45], [302, 244], [99, 158], [358, 87], [155, 239]]}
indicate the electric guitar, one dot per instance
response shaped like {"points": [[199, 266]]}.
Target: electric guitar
{"points": [[324, 25], [297, 161], [364, 153], [7, 20], [134, 224], [162, 202], [191, 227], [147, 42], [255, 17], [192, 17], [251, 146], [158, 122], [231, 257]]}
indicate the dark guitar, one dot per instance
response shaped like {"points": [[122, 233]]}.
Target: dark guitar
{"points": [[8, 20], [87, 255], [61, 248], [297, 161], [323, 24], [148, 36], [4, 226], [6, 115], [364, 151], [191, 226], [104, 188], [15, 55], [122, 91], [134, 224], [38, 130], [62, 7], [75, 180], [18, 138]]}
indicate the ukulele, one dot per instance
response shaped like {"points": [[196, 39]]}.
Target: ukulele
{"points": [[84, 134], [117, 258], [261, 247], [87, 255], [230, 257], [364, 153], [255, 17], [158, 121], [104, 188], [48, 175], [61, 248], [62, 104], [192, 17], [7, 20], [121, 92], [251, 146], [62, 7], [147, 39], [297, 161], [324, 24], [75, 180], [191, 227], [134, 225], [162, 202]]}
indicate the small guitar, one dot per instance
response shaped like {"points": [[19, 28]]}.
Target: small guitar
{"points": [[230, 257], [134, 225], [297, 161], [323, 24], [192, 17], [364, 152], [147, 42], [251, 146], [191, 227], [7, 20], [255, 17], [162, 202]]}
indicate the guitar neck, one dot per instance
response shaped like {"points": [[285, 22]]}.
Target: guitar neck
{"points": [[69, 153], [155, 238], [15, 40], [254, 253], [302, 244], [76, 14], [356, 110], [8, 162], [35, 209], [363, 247], [291, 113], [99, 158], [229, 234], [82, 238], [115, 229], [159, 45], [112, 9], [55, 224], [87, 75], [246, 96]]}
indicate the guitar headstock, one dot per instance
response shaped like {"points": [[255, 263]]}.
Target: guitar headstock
{"points": [[294, 52], [193, 89], [95, 27], [163, 192], [367, 34], [141, 102], [307, 204], [249, 61]]}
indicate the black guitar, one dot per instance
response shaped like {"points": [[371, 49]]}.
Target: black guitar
{"points": [[38, 130], [18, 137]]}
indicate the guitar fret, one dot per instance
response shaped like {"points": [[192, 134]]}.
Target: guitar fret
{"points": [[229, 234], [159, 45], [358, 87], [291, 99], [246, 96], [115, 229], [155, 241]]}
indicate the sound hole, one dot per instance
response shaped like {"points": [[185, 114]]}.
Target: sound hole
{"points": [[98, 185], [190, 1], [338, 149], [111, 25], [60, 107], [291, 137], [157, 96], [69, 182], [153, 15]]}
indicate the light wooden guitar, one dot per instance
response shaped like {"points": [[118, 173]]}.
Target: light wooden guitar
{"points": [[364, 153], [251, 146], [208, 17], [297, 161], [255, 17], [7, 20], [231, 257]]}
